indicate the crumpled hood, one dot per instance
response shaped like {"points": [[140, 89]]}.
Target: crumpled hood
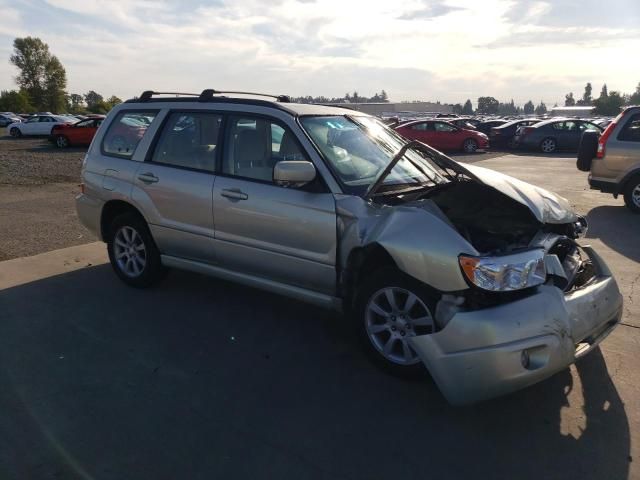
{"points": [[545, 205]]}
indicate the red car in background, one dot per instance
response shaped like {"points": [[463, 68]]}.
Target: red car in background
{"points": [[442, 135], [80, 133]]}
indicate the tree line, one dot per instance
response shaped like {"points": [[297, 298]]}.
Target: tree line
{"points": [[608, 103], [354, 97], [491, 106], [42, 82]]}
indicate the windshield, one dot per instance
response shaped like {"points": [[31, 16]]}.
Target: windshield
{"points": [[359, 148]]}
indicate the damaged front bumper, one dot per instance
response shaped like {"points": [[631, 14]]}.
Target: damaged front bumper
{"points": [[489, 352]]}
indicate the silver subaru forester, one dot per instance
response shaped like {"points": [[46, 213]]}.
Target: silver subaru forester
{"points": [[471, 273]]}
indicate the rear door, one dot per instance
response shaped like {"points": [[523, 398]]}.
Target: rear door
{"points": [[44, 126], [175, 184], [446, 136], [287, 235]]}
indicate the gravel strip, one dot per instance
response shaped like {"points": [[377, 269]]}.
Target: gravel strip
{"points": [[35, 161], [38, 183]]}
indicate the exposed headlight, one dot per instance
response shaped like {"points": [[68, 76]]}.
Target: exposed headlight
{"points": [[505, 272]]}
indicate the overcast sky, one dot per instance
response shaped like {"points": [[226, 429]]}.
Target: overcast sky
{"points": [[446, 50]]}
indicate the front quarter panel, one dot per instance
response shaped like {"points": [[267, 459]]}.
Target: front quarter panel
{"points": [[421, 241]]}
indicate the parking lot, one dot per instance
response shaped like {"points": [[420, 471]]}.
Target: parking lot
{"points": [[201, 378]]}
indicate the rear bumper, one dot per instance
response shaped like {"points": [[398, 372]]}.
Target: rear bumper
{"points": [[485, 353], [89, 210], [605, 187]]}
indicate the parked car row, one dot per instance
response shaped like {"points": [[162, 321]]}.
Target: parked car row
{"points": [[63, 130], [471, 134]]}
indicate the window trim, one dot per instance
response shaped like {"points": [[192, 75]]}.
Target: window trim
{"points": [[117, 115], [148, 158]]}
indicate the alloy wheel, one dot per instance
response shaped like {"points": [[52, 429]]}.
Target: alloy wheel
{"points": [[62, 141], [392, 316], [470, 146], [548, 145], [635, 195], [130, 252]]}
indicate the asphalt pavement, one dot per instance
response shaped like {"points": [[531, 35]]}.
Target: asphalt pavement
{"points": [[200, 378]]}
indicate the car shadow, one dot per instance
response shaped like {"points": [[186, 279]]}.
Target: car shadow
{"points": [[50, 147], [617, 227], [200, 378]]}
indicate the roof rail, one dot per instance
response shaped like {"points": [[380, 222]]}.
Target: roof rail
{"points": [[148, 94], [210, 92]]}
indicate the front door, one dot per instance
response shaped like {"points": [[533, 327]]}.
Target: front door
{"points": [[265, 230], [30, 127]]}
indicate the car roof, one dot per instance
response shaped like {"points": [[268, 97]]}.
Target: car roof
{"points": [[560, 119], [296, 109]]}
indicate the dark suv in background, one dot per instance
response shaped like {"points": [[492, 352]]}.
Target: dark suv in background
{"points": [[613, 158]]}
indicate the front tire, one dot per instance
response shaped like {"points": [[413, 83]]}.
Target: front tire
{"points": [[548, 145], [469, 146], [15, 132], [390, 308], [632, 194], [133, 253]]}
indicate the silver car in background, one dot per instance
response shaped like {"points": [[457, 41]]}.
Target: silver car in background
{"points": [[471, 273]]}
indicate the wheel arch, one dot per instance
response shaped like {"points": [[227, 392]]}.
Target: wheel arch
{"points": [[111, 210], [627, 178], [361, 262]]}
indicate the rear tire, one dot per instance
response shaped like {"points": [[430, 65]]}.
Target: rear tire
{"points": [[632, 194], [62, 141], [15, 132], [548, 145], [587, 150], [134, 256], [383, 325]]}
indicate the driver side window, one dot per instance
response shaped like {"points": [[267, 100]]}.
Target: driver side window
{"points": [[254, 145]]}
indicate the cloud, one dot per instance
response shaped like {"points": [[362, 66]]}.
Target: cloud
{"points": [[431, 10], [326, 47], [575, 13], [572, 36]]}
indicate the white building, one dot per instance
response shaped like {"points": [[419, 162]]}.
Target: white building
{"points": [[577, 111]]}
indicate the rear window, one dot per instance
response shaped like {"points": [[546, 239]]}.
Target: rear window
{"points": [[631, 130], [126, 131]]}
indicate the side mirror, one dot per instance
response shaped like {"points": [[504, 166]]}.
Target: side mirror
{"points": [[293, 173]]}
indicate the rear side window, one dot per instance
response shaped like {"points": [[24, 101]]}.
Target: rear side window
{"points": [[125, 132], [189, 140], [631, 130], [443, 127]]}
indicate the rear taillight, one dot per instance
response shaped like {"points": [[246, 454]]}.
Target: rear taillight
{"points": [[602, 141], [81, 188]]}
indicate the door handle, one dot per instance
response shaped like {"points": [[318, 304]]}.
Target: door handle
{"points": [[234, 194], [148, 177]]}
